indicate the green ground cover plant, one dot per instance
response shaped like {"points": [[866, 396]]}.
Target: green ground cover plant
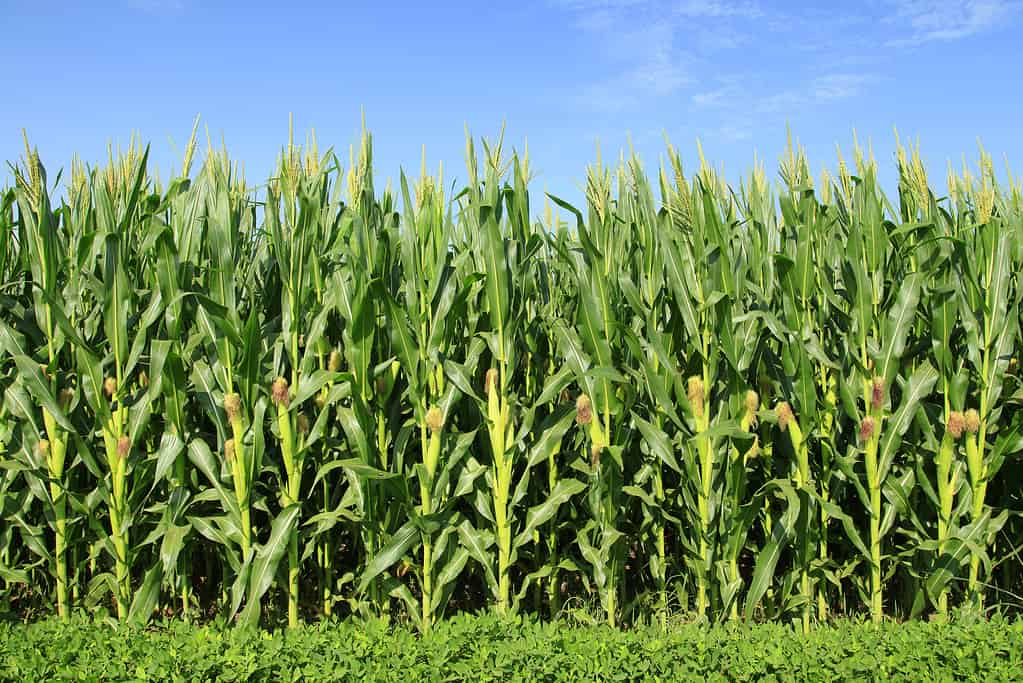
{"points": [[496, 648]]}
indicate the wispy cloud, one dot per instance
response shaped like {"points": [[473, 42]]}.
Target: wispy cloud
{"points": [[717, 8], [735, 132], [654, 44], [838, 86], [157, 6], [661, 56], [643, 59], [657, 77], [923, 21], [712, 98], [653, 49], [720, 37], [820, 89], [741, 107]]}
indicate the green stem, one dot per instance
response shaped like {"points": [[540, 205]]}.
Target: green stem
{"points": [[803, 480], [55, 462], [326, 560], [946, 493], [978, 480], [293, 580], [876, 606], [60, 525], [553, 589], [822, 598], [240, 477], [427, 585], [706, 453], [291, 497], [120, 561], [703, 504], [497, 413], [662, 558], [183, 562], [431, 452]]}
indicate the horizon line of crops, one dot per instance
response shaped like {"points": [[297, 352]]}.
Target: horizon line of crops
{"points": [[779, 401]]}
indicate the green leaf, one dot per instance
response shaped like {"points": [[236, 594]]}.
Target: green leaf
{"points": [[916, 389], [267, 557], [540, 514], [782, 533], [658, 442], [146, 596], [900, 320], [477, 543], [31, 377], [400, 542]]}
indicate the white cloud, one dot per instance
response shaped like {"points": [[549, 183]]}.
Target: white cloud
{"points": [[654, 44], [661, 77], [737, 97], [639, 43], [718, 8], [735, 132], [922, 21], [719, 38], [711, 98], [656, 77], [838, 86], [157, 6], [825, 88], [653, 49]]}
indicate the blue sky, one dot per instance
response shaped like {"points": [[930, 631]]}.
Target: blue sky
{"points": [[563, 74]]}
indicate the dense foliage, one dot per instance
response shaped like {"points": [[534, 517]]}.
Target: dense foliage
{"points": [[494, 649], [782, 401]]}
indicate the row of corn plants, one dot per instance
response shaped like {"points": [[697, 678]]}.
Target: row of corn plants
{"points": [[789, 399]]}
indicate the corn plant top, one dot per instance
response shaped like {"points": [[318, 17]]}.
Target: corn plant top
{"points": [[786, 400]]}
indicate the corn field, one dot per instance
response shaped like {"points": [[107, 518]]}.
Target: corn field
{"points": [[789, 400]]}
